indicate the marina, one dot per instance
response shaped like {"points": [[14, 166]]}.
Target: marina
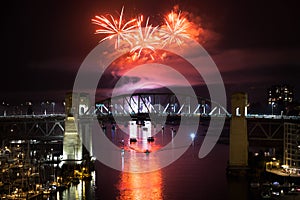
{"points": [[25, 176]]}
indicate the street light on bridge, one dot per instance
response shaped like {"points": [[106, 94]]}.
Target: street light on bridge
{"points": [[193, 135], [53, 105]]}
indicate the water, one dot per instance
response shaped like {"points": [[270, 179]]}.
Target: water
{"points": [[187, 178], [84, 190]]}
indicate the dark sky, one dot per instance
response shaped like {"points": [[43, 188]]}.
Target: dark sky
{"points": [[255, 44]]}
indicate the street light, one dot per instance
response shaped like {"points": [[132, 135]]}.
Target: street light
{"points": [[272, 104], [193, 135], [53, 105], [42, 108]]}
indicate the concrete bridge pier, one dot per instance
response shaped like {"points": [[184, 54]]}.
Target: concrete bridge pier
{"points": [[76, 132], [238, 150], [72, 145]]}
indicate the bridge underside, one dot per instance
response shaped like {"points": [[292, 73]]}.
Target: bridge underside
{"points": [[266, 132]]}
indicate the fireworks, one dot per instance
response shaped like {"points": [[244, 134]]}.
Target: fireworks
{"points": [[144, 39], [175, 29], [114, 28]]}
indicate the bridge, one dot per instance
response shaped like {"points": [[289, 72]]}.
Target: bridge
{"points": [[159, 104], [140, 106], [266, 129], [35, 127]]}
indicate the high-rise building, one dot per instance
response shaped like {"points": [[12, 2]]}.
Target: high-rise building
{"points": [[280, 94], [279, 97], [291, 157]]}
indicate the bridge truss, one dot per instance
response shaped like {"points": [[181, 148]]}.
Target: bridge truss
{"points": [[52, 126], [161, 104], [39, 127]]}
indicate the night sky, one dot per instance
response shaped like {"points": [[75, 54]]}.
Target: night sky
{"points": [[255, 44]]}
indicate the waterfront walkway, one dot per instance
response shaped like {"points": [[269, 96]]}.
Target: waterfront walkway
{"points": [[279, 172]]}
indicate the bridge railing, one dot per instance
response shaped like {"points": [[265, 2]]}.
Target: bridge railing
{"points": [[102, 110], [32, 116], [264, 116]]}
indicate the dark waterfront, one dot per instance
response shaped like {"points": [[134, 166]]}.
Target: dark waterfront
{"points": [[84, 190]]}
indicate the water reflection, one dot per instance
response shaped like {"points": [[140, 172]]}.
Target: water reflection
{"points": [[187, 178], [140, 185], [84, 190]]}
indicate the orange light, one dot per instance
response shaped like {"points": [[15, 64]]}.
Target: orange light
{"points": [[140, 186]]}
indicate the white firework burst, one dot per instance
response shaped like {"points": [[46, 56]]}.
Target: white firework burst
{"points": [[145, 38], [115, 28]]}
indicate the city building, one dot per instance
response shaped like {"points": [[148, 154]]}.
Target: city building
{"points": [[279, 96], [291, 157]]}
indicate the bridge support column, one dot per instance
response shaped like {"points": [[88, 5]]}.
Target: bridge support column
{"points": [[85, 132], [238, 153], [72, 146], [76, 132]]}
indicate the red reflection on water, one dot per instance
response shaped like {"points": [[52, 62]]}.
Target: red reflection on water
{"points": [[140, 186]]}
